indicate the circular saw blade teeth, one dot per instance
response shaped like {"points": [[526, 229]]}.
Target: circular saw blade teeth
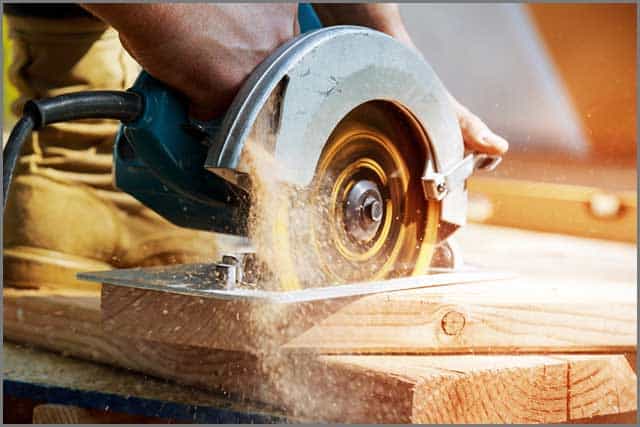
{"points": [[364, 216]]}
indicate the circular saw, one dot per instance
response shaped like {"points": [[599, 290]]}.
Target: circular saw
{"points": [[359, 133], [341, 159]]}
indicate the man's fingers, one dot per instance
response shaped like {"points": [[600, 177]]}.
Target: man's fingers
{"points": [[477, 135]]}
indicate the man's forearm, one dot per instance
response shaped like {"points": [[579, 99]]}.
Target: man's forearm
{"points": [[206, 50], [203, 50], [382, 17], [132, 18]]}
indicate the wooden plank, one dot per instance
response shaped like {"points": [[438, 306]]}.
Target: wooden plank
{"points": [[588, 395], [556, 208], [491, 317], [614, 174], [483, 389], [344, 388], [562, 273], [320, 386], [560, 258], [622, 418], [221, 324], [65, 414], [69, 322], [508, 317]]}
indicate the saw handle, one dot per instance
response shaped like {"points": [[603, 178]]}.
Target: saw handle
{"points": [[159, 159]]}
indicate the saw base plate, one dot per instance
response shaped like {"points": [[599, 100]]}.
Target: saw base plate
{"points": [[200, 280]]}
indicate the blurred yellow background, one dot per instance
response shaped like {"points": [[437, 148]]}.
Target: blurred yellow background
{"points": [[593, 48], [9, 92]]}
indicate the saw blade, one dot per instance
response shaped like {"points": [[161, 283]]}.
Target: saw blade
{"points": [[364, 217]]}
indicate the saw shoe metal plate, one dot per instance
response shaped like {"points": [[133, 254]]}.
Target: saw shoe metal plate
{"points": [[202, 280]]}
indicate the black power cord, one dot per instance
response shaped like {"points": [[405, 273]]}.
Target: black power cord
{"points": [[123, 106]]}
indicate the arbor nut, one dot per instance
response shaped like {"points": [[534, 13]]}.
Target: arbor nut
{"points": [[453, 323], [372, 209]]}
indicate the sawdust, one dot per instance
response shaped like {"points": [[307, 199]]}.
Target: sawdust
{"points": [[281, 231], [279, 228], [284, 248]]}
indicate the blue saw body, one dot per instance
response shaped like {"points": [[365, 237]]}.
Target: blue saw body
{"points": [[159, 158]]}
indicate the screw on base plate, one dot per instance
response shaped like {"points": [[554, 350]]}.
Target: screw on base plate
{"points": [[225, 275]]}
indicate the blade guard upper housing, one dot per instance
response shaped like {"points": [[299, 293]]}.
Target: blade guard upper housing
{"points": [[303, 90]]}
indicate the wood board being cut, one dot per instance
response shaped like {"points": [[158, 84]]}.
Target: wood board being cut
{"points": [[561, 301], [555, 387], [509, 316]]}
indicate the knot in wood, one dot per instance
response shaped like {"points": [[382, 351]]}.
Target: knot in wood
{"points": [[453, 323]]}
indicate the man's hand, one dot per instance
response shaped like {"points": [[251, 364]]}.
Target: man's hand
{"points": [[476, 134], [386, 18], [204, 51]]}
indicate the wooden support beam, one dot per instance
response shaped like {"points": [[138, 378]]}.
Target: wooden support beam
{"points": [[471, 389], [343, 388], [563, 300], [555, 208], [512, 316]]}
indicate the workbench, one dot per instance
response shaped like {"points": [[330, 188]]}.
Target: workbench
{"points": [[584, 381]]}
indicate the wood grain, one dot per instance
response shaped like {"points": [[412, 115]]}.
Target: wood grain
{"points": [[563, 299], [342, 388], [69, 322], [569, 261], [597, 277], [463, 389], [514, 316]]}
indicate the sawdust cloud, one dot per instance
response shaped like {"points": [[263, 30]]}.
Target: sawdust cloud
{"points": [[303, 384], [279, 229], [288, 379]]}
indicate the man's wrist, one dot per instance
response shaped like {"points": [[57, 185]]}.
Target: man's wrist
{"points": [[381, 17]]}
